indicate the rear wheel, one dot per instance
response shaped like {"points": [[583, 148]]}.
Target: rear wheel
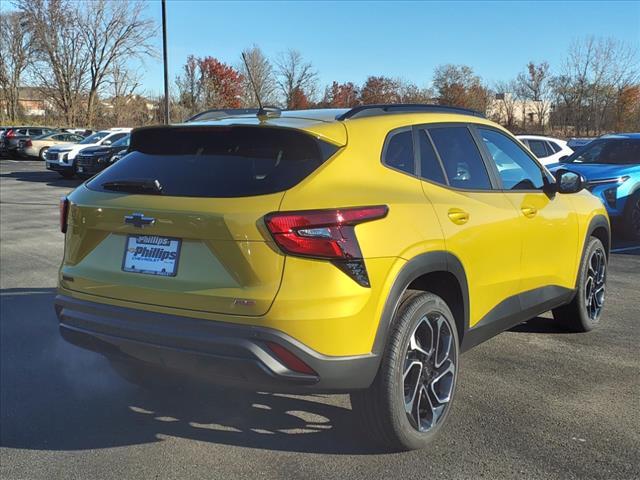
{"points": [[584, 311], [632, 217], [411, 396], [43, 153]]}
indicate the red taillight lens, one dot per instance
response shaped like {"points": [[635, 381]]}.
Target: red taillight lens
{"points": [[289, 360], [64, 214], [325, 234], [28, 143], [10, 134]]}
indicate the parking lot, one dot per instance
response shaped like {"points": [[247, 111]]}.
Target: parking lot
{"points": [[534, 402]]}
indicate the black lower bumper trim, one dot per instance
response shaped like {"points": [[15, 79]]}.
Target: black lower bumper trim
{"points": [[217, 352]]}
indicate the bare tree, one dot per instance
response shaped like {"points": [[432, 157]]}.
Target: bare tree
{"points": [[60, 63], [189, 86], [506, 102], [534, 86], [123, 84], [263, 78], [15, 51], [112, 31], [296, 78]]}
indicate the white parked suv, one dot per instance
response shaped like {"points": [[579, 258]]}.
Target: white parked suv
{"points": [[548, 150], [61, 159]]}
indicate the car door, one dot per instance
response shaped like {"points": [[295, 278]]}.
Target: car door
{"points": [[478, 222], [548, 222]]}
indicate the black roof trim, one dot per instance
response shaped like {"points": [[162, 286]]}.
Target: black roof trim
{"points": [[383, 109]]}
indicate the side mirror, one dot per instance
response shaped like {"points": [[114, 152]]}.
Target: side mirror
{"points": [[569, 182], [563, 158], [106, 143]]}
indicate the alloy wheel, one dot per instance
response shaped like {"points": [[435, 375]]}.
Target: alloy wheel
{"points": [[594, 288], [429, 371]]}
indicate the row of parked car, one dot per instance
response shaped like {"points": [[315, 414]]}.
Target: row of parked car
{"points": [[69, 152]]}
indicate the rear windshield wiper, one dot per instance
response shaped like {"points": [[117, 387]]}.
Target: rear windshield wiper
{"points": [[149, 186]]}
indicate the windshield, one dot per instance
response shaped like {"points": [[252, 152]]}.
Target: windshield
{"points": [[123, 142], [95, 138], [625, 151]]}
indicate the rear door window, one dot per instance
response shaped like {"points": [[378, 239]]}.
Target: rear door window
{"points": [[460, 157], [538, 148], [218, 161], [555, 148], [430, 168]]}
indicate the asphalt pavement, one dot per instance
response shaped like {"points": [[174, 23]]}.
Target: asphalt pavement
{"points": [[532, 403]]}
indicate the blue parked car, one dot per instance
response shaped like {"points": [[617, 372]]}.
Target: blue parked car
{"points": [[611, 165]]}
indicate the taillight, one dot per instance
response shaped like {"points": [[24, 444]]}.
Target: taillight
{"points": [[64, 214], [10, 134], [325, 234], [28, 143]]}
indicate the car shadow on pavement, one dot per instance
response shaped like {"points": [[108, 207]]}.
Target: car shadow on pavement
{"points": [[540, 325], [50, 178], [55, 396]]}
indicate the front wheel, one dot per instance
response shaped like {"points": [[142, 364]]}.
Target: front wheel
{"points": [[411, 396], [584, 311], [632, 217]]}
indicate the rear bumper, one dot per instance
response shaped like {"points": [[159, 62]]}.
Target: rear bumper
{"points": [[217, 352]]}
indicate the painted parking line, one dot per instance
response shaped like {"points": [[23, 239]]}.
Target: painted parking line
{"points": [[625, 249]]}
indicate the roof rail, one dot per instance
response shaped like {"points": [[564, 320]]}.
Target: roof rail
{"points": [[383, 109], [220, 113]]}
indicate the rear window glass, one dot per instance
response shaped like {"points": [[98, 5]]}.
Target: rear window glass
{"points": [[218, 161]]}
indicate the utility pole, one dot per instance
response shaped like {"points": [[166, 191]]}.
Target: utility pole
{"points": [[166, 66]]}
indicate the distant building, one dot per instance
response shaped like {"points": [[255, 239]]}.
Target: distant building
{"points": [[523, 112], [31, 102]]}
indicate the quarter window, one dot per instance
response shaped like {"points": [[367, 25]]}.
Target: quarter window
{"points": [[460, 157], [399, 152], [518, 171], [555, 148]]}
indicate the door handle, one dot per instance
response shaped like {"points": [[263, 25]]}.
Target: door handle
{"points": [[457, 216], [529, 212]]}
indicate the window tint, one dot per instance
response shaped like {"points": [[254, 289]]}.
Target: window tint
{"points": [[538, 148], [517, 170], [219, 161], [59, 138], [554, 146], [460, 156], [430, 167], [35, 131], [115, 137], [624, 151], [399, 152]]}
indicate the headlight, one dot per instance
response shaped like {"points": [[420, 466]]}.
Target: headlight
{"points": [[65, 157]]}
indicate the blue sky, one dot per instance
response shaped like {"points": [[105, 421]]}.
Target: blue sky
{"points": [[348, 41]]}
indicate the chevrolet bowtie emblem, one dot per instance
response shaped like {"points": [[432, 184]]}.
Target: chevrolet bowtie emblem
{"points": [[138, 220]]}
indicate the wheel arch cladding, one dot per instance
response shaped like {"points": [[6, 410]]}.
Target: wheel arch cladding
{"points": [[599, 227], [437, 272]]}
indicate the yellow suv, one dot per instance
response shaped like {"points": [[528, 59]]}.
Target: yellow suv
{"points": [[355, 251]]}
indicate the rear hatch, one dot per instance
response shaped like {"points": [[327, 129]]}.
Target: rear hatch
{"points": [[178, 222]]}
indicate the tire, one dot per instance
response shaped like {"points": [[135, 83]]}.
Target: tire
{"points": [[585, 310], [631, 217], [403, 381], [146, 376], [42, 154]]}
